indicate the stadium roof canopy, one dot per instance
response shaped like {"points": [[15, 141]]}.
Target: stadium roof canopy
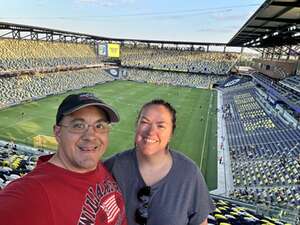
{"points": [[275, 23], [19, 31]]}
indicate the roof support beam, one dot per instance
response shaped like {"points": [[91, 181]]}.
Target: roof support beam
{"points": [[280, 20], [16, 34], [286, 4]]}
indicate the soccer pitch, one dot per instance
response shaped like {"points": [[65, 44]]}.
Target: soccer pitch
{"points": [[195, 134]]}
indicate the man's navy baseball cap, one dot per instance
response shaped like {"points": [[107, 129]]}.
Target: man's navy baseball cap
{"points": [[75, 102]]}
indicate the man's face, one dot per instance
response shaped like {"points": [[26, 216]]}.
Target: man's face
{"points": [[81, 151]]}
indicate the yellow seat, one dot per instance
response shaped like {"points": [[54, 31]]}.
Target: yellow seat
{"points": [[219, 216]]}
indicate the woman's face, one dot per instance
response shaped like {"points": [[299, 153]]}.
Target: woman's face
{"points": [[154, 130]]}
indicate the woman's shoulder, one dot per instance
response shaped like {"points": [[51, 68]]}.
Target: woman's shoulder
{"points": [[122, 154], [120, 158], [184, 161], [187, 169]]}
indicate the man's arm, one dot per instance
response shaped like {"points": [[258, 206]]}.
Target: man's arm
{"points": [[24, 202]]}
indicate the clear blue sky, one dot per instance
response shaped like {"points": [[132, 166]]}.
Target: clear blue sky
{"points": [[181, 20]]}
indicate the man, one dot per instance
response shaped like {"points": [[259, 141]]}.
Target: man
{"points": [[70, 187]]}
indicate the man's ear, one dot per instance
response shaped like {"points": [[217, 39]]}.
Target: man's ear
{"points": [[57, 132]]}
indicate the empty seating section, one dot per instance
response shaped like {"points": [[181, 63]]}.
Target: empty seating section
{"points": [[28, 54], [14, 164], [253, 118], [264, 151], [177, 60], [228, 213], [288, 92], [173, 78], [292, 82], [14, 90]]}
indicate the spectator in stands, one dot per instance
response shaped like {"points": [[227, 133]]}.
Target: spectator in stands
{"points": [[160, 186], [71, 186]]}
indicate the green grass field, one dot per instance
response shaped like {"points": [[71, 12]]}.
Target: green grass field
{"points": [[196, 119]]}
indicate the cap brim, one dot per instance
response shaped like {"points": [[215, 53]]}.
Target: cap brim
{"points": [[113, 115]]}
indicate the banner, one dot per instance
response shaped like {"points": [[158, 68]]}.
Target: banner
{"points": [[113, 50], [43, 141], [102, 49], [114, 72]]}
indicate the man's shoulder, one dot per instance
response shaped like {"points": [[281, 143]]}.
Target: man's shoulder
{"points": [[22, 196], [23, 187]]}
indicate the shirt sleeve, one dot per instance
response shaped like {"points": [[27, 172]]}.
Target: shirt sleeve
{"points": [[24, 202], [202, 203]]}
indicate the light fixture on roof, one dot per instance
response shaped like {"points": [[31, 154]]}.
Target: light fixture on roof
{"points": [[275, 33], [265, 37], [296, 34], [292, 27]]}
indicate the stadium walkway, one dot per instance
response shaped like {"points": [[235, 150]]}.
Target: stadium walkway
{"points": [[225, 182]]}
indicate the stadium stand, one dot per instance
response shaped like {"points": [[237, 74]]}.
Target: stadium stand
{"points": [[280, 90], [175, 60], [14, 162], [292, 82], [15, 90], [228, 212], [27, 54], [173, 78], [264, 151]]}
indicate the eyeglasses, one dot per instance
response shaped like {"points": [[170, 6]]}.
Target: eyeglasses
{"points": [[81, 127], [141, 213]]}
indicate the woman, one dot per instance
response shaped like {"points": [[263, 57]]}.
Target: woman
{"points": [[160, 186]]}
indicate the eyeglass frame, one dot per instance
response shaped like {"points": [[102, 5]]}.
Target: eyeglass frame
{"points": [[86, 126], [144, 204]]}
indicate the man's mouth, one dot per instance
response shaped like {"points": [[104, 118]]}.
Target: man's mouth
{"points": [[88, 148]]}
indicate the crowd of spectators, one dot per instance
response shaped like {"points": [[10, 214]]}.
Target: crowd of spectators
{"points": [[217, 63]]}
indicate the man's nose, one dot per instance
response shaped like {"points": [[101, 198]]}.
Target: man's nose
{"points": [[89, 132]]}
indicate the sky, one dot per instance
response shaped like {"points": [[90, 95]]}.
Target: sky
{"points": [[175, 20]]}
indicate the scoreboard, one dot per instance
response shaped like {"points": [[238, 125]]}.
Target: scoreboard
{"points": [[110, 50]]}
